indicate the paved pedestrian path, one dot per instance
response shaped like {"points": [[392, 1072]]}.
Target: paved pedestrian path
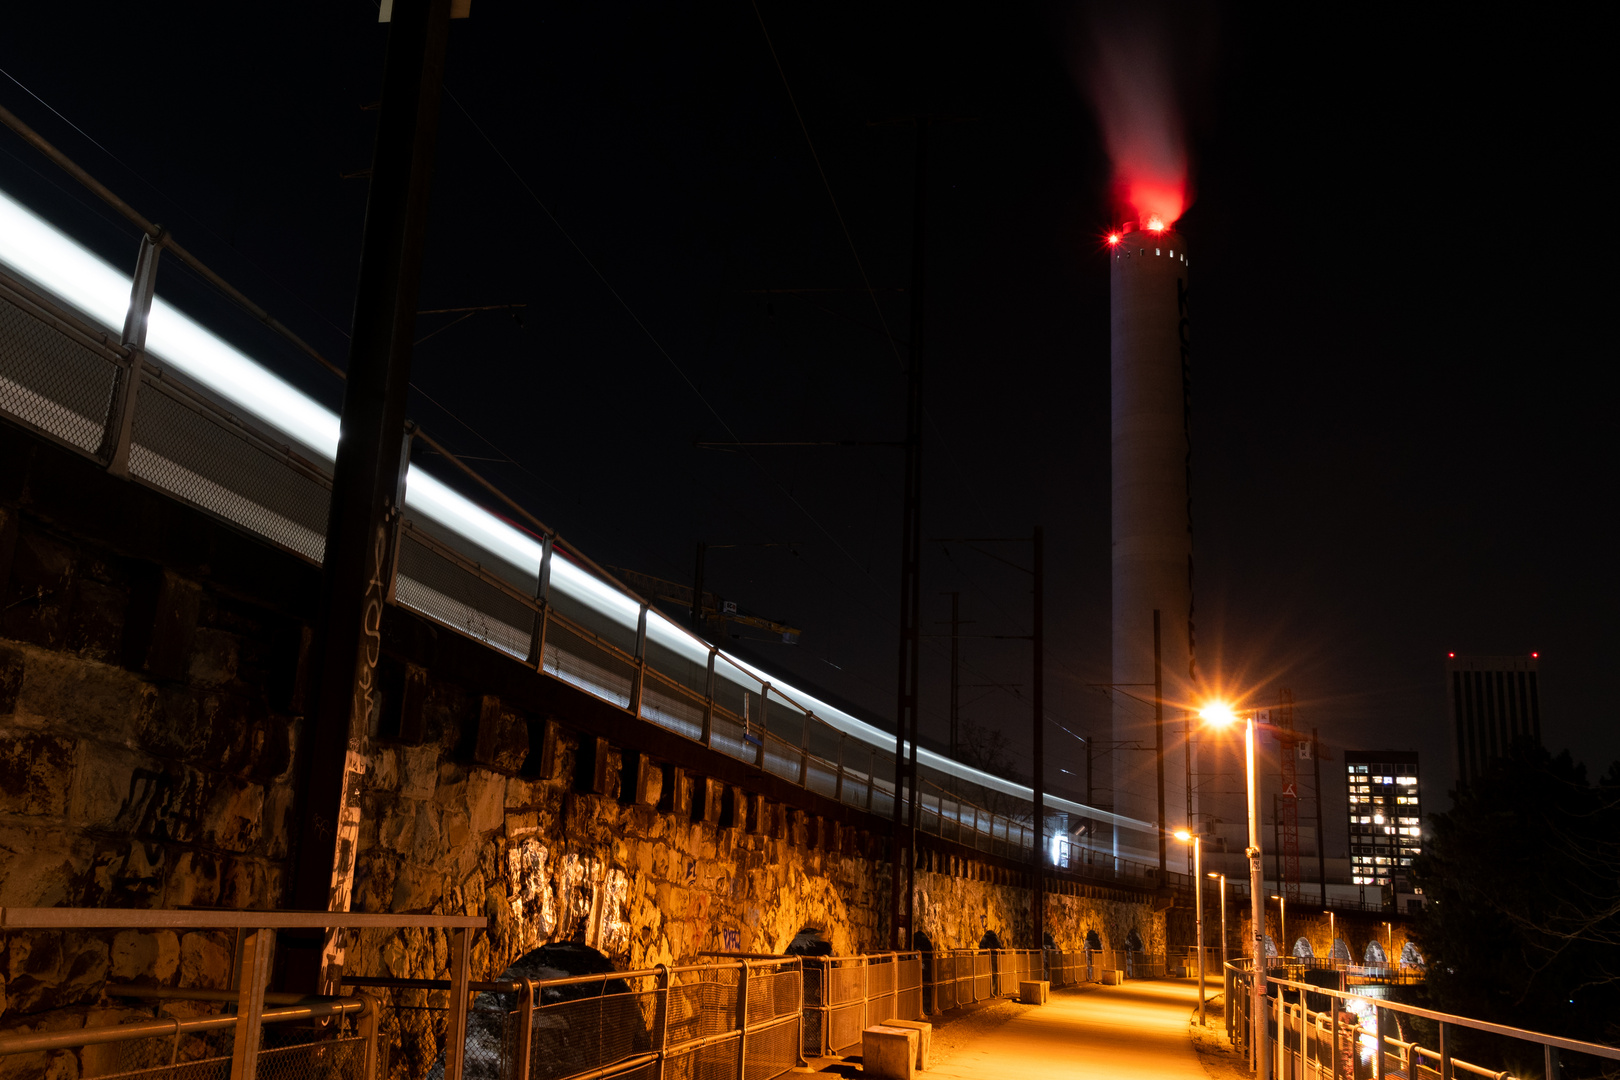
{"points": [[1135, 1030]]}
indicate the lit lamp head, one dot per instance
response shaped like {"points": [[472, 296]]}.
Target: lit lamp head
{"points": [[1183, 835], [1218, 713]]}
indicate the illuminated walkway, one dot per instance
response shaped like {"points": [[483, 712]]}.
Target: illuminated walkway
{"points": [[1135, 1030]]}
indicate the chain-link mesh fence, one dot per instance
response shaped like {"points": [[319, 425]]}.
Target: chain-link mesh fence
{"points": [[51, 381]]}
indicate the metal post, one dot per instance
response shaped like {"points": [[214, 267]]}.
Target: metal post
{"points": [[697, 588], [525, 1039], [253, 975], [1198, 909], [639, 682], [542, 599], [367, 475], [838, 784], [1038, 855], [455, 1036], [764, 728], [804, 751], [1552, 1070], [871, 767], [660, 1038], [1158, 738], [1378, 1043], [1321, 857], [368, 1031], [1336, 1003], [910, 555], [1257, 1012], [742, 1021], [708, 700], [121, 415]]}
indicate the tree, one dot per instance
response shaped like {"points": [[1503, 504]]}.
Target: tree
{"points": [[1522, 883]]}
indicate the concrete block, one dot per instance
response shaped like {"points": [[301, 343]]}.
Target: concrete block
{"points": [[1112, 977], [925, 1037], [889, 1052], [1034, 991]]}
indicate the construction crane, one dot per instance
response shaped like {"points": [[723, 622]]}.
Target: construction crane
{"points": [[1291, 745]]}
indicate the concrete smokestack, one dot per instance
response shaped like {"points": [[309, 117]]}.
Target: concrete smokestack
{"points": [[1152, 521]]}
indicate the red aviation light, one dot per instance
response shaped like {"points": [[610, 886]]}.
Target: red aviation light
{"points": [[1113, 238], [1535, 656], [1451, 655]]}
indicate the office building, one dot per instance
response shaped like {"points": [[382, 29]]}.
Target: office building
{"points": [[1491, 701], [1386, 815]]}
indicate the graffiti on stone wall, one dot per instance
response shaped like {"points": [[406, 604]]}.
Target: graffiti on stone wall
{"points": [[530, 890]]}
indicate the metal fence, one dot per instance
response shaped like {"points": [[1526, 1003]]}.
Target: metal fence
{"points": [[729, 1020], [197, 419], [276, 1036], [1316, 1033], [844, 995]]}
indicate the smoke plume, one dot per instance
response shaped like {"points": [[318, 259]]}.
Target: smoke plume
{"points": [[1128, 71]]}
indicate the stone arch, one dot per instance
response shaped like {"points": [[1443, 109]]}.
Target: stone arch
{"points": [[486, 1019], [809, 942], [1047, 942], [922, 942], [1340, 950], [1093, 941], [1271, 946], [1374, 953], [1133, 941], [991, 940], [1302, 948], [1411, 956]]}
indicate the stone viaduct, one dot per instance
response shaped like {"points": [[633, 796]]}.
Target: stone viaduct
{"points": [[152, 670]]}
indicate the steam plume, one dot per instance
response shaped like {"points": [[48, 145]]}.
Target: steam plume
{"points": [[1130, 78]]}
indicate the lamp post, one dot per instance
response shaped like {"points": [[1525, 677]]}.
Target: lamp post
{"points": [[1282, 927], [1217, 874], [1222, 714], [1333, 939], [1186, 836]]}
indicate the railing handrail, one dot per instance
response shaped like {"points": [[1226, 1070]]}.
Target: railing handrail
{"points": [[146, 1029], [50, 918], [1561, 1042]]}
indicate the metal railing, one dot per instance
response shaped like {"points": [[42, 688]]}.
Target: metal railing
{"points": [[270, 1034], [1315, 1032], [728, 1020], [844, 995], [183, 428]]}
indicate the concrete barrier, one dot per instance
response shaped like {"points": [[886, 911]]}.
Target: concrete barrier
{"points": [[889, 1052], [1034, 991], [925, 1038], [1112, 977]]}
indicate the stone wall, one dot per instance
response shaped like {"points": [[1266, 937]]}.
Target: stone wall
{"points": [[1356, 929], [152, 663]]}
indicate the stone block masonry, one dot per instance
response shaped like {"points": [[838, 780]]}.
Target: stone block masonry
{"points": [[152, 668]]}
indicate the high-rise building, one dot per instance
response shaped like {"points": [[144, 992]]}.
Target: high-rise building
{"points": [[1386, 815], [1491, 700]]}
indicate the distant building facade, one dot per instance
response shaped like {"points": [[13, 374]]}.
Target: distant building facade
{"points": [[1386, 815], [1491, 701]]}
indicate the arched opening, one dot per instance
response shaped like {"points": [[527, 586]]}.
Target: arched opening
{"points": [[1093, 941], [486, 1020], [1411, 956], [922, 942], [1271, 946], [991, 940], [1302, 948], [1374, 954], [1341, 951], [1047, 942], [1133, 941], [809, 942]]}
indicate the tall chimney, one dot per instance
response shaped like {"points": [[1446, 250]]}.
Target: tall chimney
{"points": [[1152, 524]]}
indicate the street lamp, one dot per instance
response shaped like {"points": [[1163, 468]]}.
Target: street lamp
{"points": [[1221, 714], [1282, 927], [1218, 874], [1188, 837], [1333, 939]]}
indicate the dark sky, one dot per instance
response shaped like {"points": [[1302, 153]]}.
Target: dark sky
{"points": [[1403, 379]]}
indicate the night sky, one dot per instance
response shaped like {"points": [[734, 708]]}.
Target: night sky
{"points": [[1403, 388]]}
